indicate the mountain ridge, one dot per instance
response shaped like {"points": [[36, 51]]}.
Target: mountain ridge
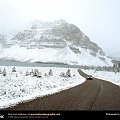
{"points": [[57, 35]]}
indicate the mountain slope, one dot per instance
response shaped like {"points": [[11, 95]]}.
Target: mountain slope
{"points": [[55, 34], [56, 41]]}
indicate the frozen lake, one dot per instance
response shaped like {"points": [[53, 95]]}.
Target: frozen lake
{"points": [[37, 64]]}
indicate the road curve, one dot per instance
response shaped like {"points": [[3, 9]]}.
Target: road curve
{"points": [[93, 94]]}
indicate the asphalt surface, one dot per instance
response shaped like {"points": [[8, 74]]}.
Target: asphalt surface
{"points": [[93, 94]]}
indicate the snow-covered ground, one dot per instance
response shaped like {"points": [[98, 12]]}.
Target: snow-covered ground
{"points": [[16, 87], [65, 55], [108, 76]]}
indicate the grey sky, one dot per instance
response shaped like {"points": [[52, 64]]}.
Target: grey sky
{"points": [[99, 19]]}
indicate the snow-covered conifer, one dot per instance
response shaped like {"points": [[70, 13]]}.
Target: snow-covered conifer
{"points": [[39, 74], [35, 73], [27, 73], [0, 71], [13, 69], [16, 75], [4, 72], [45, 74], [31, 73], [50, 72], [119, 65], [68, 74], [62, 74]]}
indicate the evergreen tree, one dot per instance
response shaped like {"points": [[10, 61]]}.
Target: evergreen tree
{"points": [[119, 65], [16, 75], [31, 73], [0, 71], [62, 74], [50, 72], [114, 65], [68, 74], [39, 74], [35, 73], [27, 73], [45, 74], [4, 72], [13, 69]]}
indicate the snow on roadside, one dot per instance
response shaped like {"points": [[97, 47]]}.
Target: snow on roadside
{"points": [[16, 87], [108, 76]]}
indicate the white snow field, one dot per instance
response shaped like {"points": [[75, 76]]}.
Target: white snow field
{"points": [[108, 76], [65, 55], [16, 87]]}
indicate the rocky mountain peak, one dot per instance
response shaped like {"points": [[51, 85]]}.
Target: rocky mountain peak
{"points": [[57, 35]]}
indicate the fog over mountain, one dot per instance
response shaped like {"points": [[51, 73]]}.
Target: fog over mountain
{"points": [[98, 19]]}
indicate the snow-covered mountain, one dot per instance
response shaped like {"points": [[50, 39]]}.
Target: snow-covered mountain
{"points": [[56, 41]]}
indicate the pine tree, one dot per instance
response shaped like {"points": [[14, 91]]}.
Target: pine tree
{"points": [[35, 73], [45, 74], [39, 74], [27, 73], [114, 65], [119, 65], [68, 74], [31, 73], [0, 71], [16, 75], [4, 72], [62, 74], [13, 69], [50, 72]]}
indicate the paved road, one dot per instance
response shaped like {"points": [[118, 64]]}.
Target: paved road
{"points": [[93, 94]]}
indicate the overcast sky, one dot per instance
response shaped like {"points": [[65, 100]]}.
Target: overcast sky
{"points": [[98, 19]]}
